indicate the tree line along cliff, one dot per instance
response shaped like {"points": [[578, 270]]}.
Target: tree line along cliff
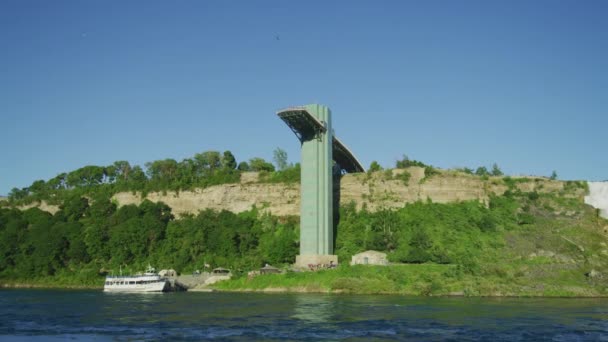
{"points": [[522, 231]]}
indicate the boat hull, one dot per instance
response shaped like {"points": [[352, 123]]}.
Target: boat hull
{"points": [[146, 283], [152, 287]]}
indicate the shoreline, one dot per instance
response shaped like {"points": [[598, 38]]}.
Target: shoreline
{"points": [[284, 290], [48, 287], [272, 290]]}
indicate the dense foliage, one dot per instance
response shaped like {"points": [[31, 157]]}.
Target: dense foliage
{"points": [[203, 170], [455, 233], [475, 248], [522, 244], [97, 237]]}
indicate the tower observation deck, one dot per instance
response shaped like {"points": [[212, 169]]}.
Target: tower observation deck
{"points": [[323, 157], [306, 126]]}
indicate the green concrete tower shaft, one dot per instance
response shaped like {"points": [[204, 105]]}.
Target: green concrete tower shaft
{"points": [[320, 149], [316, 215]]}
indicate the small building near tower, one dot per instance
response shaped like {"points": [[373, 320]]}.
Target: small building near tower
{"points": [[369, 258]]}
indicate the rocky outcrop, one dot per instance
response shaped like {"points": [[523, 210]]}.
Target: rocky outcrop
{"points": [[279, 199], [375, 191], [598, 197], [42, 206], [389, 189]]}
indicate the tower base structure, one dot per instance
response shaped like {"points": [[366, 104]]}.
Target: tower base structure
{"points": [[316, 261], [323, 158]]}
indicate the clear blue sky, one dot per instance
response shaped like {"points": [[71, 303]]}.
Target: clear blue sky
{"points": [[452, 83]]}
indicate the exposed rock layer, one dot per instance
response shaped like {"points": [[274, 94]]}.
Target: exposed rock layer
{"points": [[385, 189], [379, 190]]}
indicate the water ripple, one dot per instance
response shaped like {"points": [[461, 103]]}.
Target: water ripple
{"points": [[87, 315]]}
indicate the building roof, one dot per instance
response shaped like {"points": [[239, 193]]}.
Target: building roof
{"points": [[268, 267], [371, 252]]}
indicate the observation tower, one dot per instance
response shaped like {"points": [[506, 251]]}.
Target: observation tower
{"points": [[323, 160]]}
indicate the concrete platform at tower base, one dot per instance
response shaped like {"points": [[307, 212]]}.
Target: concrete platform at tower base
{"points": [[323, 261]]}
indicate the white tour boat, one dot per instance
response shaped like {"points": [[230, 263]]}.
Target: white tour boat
{"points": [[150, 281]]}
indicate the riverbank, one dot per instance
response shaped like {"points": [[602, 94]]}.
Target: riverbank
{"points": [[408, 280], [428, 280], [521, 278], [47, 286], [77, 279]]}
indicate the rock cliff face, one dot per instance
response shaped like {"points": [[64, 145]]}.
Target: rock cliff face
{"points": [[379, 190], [376, 191], [280, 199], [598, 197], [42, 206]]}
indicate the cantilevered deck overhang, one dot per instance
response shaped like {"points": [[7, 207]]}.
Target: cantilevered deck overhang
{"points": [[302, 123], [305, 126]]}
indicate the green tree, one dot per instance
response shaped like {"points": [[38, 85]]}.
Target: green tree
{"points": [[259, 164], [420, 245], [496, 171], [244, 166], [95, 237], [42, 246], [17, 194], [280, 158], [122, 170], [74, 250], [162, 170], [279, 246], [553, 175], [207, 162], [385, 224], [73, 208], [482, 171], [96, 228], [58, 182], [38, 187], [86, 176], [228, 161], [374, 166], [12, 229], [407, 162], [137, 178]]}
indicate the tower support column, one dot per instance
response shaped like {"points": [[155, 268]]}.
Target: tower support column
{"points": [[316, 212]]}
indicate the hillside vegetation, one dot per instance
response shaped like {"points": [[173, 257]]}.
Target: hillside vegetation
{"points": [[512, 236], [202, 170], [523, 244]]}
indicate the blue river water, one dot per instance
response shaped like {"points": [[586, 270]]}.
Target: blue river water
{"points": [[59, 315]]}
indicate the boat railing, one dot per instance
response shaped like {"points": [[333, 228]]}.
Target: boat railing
{"points": [[132, 276]]}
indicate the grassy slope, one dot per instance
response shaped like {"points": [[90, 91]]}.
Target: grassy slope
{"points": [[549, 257], [87, 278]]}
